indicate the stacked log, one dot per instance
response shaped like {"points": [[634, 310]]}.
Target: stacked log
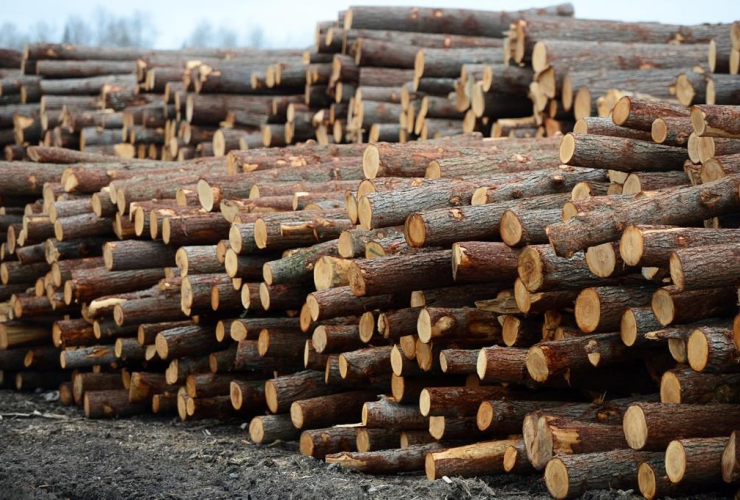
{"points": [[460, 306]]}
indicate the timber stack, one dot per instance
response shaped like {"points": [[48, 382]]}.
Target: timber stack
{"points": [[463, 306]]}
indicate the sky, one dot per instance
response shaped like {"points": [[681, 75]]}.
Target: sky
{"points": [[290, 23]]}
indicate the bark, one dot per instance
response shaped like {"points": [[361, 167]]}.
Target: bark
{"points": [[527, 227], [454, 296], [248, 395], [248, 358], [322, 442], [87, 357], [288, 296], [279, 343], [502, 364], [678, 206], [460, 401], [337, 338], [605, 126], [562, 436], [458, 361], [651, 181], [393, 325]]}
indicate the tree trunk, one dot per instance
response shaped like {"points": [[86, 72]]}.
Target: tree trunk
{"points": [[697, 460], [268, 428], [502, 364], [468, 461], [185, 341], [460, 323], [715, 121], [387, 414], [601, 308], [110, 404], [672, 306], [712, 350], [322, 442], [695, 268]]}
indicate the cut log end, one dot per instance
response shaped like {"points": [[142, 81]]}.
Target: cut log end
{"points": [[729, 460], [557, 479], [670, 388], [621, 111], [647, 481], [602, 260], [675, 461], [424, 326], [530, 269], [537, 364], [676, 268], [425, 403], [415, 230], [631, 246], [484, 417], [697, 350], [588, 310], [511, 229], [698, 120], [296, 415], [635, 427], [663, 307], [567, 148], [206, 196], [628, 328], [371, 161], [367, 326], [257, 430], [271, 396], [659, 131]]}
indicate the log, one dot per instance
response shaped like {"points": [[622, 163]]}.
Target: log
{"points": [[386, 461], [400, 273], [283, 391], [248, 395], [473, 262], [686, 205], [548, 359], [462, 323], [652, 426], [327, 410], [132, 254], [322, 442], [635, 323], [570, 476], [185, 341], [712, 350], [619, 153], [460, 401], [601, 308], [469, 460], [729, 461], [687, 386], [694, 268], [268, 428], [387, 414], [502, 364], [672, 306], [697, 460], [110, 404], [715, 120], [87, 356]]}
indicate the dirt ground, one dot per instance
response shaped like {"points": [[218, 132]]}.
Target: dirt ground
{"points": [[48, 451]]}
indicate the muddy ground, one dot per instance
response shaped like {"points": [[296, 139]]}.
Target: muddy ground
{"points": [[48, 451]]}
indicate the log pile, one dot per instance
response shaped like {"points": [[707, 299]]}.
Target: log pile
{"points": [[462, 306]]}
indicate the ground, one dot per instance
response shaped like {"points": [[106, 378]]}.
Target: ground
{"points": [[48, 451]]}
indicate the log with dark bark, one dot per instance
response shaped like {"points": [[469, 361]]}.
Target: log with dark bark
{"points": [[619, 153], [682, 385], [110, 404], [652, 426], [329, 410], [268, 428], [458, 323], [601, 308], [695, 268], [322, 442], [679, 206], [484, 262], [672, 306], [570, 476], [712, 350], [402, 273], [696, 460], [715, 120]]}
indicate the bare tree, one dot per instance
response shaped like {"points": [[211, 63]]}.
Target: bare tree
{"points": [[201, 36], [256, 37], [77, 32]]}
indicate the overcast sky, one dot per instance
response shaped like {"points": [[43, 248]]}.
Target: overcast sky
{"points": [[290, 23]]}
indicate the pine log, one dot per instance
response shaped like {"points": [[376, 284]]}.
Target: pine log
{"points": [[110, 404], [715, 120], [672, 306], [327, 410], [695, 460], [376, 276], [386, 461], [712, 350], [695, 268], [570, 476], [652, 426], [462, 323], [687, 386], [268, 428], [686, 205], [468, 461]]}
